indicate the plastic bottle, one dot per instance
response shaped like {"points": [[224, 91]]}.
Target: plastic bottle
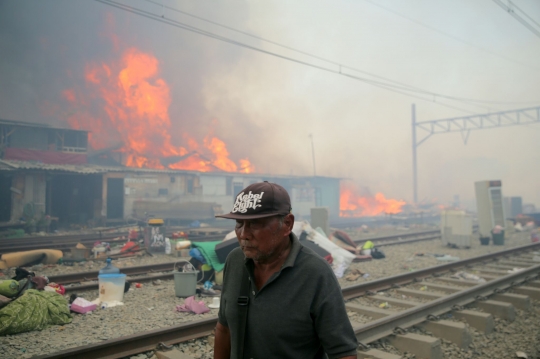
{"points": [[109, 268]]}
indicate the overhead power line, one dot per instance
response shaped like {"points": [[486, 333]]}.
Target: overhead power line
{"points": [[403, 89], [341, 66], [161, 18], [450, 35], [510, 9]]}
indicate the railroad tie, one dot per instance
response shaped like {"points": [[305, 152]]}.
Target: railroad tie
{"points": [[483, 322], [172, 354], [515, 264], [526, 260], [532, 292], [456, 332], [419, 293], [377, 354], [492, 271], [502, 267], [499, 309], [394, 301], [369, 311], [442, 288], [534, 283], [519, 301], [420, 345], [459, 282]]}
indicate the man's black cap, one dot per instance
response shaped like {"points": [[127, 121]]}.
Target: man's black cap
{"points": [[259, 200]]}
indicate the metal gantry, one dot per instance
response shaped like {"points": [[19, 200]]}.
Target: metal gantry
{"points": [[465, 125]]}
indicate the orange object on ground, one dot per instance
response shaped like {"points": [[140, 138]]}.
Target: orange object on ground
{"points": [[130, 247]]}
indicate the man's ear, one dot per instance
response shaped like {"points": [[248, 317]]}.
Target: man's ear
{"points": [[288, 223]]}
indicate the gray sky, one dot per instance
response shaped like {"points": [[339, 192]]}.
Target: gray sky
{"points": [[265, 107]]}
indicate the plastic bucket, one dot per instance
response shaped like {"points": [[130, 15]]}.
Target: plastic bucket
{"points": [[185, 283], [111, 287], [498, 238], [484, 241]]}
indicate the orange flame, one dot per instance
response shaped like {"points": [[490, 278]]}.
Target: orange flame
{"points": [[136, 101], [352, 204]]}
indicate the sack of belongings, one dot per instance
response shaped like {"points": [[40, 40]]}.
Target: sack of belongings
{"points": [[377, 253], [34, 310]]}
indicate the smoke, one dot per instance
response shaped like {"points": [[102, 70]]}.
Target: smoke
{"points": [[264, 107]]}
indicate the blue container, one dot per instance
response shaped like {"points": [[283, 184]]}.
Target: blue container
{"points": [[109, 268]]}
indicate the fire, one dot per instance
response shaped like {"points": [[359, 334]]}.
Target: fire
{"points": [[352, 204], [136, 103]]}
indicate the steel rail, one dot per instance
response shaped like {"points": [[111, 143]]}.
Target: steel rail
{"points": [[401, 279], [408, 241], [139, 342], [69, 242], [130, 271], [146, 341], [137, 270], [348, 292], [397, 236], [384, 327]]}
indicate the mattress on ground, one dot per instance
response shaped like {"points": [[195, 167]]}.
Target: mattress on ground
{"points": [[18, 259]]}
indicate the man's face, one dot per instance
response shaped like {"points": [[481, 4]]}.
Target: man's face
{"points": [[261, 238]]}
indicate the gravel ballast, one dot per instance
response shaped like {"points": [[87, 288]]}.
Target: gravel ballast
{"points": [[153, 306]]}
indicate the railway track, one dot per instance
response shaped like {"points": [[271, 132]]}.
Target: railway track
{"points": [[66, 242], [458, 293], [164, 270]]}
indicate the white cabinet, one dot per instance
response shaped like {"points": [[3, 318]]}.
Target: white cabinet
{"points": [[456, 228], [489, 204]]}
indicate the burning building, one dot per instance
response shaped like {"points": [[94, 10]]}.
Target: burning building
{"points": [[52, 171]]}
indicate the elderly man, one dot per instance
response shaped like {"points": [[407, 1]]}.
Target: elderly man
{"points": [[279, 299]]}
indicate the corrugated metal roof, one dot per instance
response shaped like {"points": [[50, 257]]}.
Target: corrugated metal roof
{"points": [[11, 165], [34, 124]]}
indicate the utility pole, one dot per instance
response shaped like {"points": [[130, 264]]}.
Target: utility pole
{"points": [[313, 154], [415, 178]]}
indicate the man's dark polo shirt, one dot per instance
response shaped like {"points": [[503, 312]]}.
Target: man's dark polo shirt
{"points": [[298, 313]]}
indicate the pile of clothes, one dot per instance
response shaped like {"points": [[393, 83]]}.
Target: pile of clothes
{"points": [[29, 302]]}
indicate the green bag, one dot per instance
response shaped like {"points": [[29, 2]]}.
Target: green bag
{"points": [[9, 288]]}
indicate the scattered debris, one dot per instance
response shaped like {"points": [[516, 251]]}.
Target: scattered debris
{"points": [[191, 305], [447, 258], [82, 306], [354, 275], [468, 276]]}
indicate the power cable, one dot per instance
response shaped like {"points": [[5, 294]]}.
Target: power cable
{"points": [[524, 13], [517, 17], [177, 24], [450, 35], [341, 66]]}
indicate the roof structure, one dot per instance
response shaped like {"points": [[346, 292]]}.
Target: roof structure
{"points": [[35, 124], [11, 165]]}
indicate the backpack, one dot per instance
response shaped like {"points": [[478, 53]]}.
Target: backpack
{"points": [[377, 254]]}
